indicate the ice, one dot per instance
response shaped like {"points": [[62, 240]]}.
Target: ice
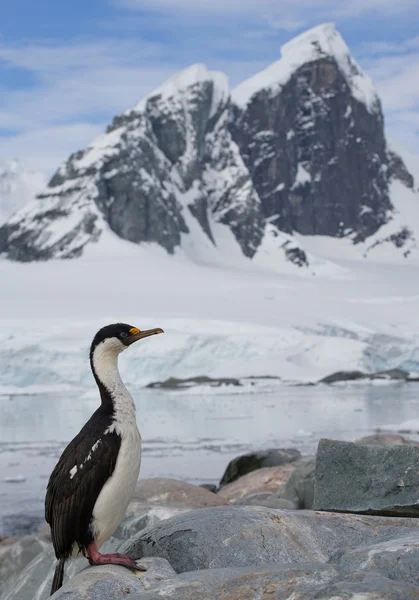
{"points": [[320, 41], [223, 320]]}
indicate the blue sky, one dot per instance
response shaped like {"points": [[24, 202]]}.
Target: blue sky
{"points": [[68, 67]]}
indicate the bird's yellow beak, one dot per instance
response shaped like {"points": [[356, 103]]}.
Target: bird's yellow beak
{"points": [[139, 335]]}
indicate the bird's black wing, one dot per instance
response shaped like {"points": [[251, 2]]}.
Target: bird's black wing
{"points": [[75, 484]]}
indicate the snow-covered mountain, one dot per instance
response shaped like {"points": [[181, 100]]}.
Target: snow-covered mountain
{"points": [[18, 185], [297, 152]]}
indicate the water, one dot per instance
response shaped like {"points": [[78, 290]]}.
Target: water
{"points": [[186, 435]]}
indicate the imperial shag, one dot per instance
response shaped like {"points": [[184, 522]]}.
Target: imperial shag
{"points": [[94, 480]]}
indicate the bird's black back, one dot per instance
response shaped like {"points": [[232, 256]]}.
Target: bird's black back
{"points": [[70, 500]]}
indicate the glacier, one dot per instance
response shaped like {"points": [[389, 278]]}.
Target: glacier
{"points": [[358, 316]]}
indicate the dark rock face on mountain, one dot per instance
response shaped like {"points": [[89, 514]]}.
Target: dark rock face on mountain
{"points": [[298, 148], [301, 143]]}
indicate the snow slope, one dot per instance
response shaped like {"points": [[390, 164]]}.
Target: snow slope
{"points": [[18, 185], [233, 321]]}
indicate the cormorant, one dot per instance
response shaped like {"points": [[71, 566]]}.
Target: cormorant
{"points": [[94, 480]]}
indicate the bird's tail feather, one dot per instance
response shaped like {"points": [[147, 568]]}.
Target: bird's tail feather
{"points": [[57, 582]]}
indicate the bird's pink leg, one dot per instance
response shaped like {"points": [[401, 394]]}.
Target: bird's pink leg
{"points": [[96, 558]]}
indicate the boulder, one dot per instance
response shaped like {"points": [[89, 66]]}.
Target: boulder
{"points": [[158, 499], [265, 499], [267, 480], [245, 536], [16, 553], [396, 559], [380, 480], [299, 489], [247, 463], [175, 493], [386, 439], [211, 487], [246, 583], [34, 581], [110, 582]]}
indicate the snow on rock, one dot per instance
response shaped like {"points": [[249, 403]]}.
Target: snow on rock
{"points": [[18, 185], [319, 42], [239, 182]]}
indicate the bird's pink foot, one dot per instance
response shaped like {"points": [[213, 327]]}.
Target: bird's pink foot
{"points": [[124, 560]]}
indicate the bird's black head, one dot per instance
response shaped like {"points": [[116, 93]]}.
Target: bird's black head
{"points": [[119, 336]]}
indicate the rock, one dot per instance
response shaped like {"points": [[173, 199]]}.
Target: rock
{"points": [[257, 460], [174, 493], [248, 583], [394, 374], [245, 536], [211, 487], [173, 383], [34, 581], [396, 559], [381, 480], [157, 499], [16, 553], [343, 376], [299, 489], [269, 480], [45, 532], [386, 439], [265, 499], [110, 582]]}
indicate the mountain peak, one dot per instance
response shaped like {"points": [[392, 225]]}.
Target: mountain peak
{"points": [[319, 42], [182, 81]]}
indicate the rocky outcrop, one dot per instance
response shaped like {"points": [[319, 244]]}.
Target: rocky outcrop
{"points": [[367, 479], [299, 489], [261, 481], [300, 147], [301, 137], [241, 465]]}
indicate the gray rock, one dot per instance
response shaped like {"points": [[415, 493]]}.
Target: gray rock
{"points": [[223, 537], [315, 98], [275, 582], [211, 487], [16, 553], [257, 460], [265, 499], [360, 587], [299, 489], [174, 493], [110, 582], [396, 559], [34, 581], [367, 479], [157, 499], [269, 480], [386, 439], [393, 374]]}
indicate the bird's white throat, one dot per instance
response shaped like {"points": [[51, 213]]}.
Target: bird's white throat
{"points": [[105, 365]]}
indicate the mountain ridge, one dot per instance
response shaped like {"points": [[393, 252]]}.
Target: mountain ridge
{"points": [[304, 153]]}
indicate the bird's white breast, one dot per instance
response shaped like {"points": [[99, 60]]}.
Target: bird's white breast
{"points": [[117, 492]]}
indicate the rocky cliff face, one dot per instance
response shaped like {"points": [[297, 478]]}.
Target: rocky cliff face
{"points": [[299, 148]]}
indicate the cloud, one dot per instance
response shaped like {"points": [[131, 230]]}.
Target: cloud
{"points": [[294, 8], [74, 91], [44, 149]]}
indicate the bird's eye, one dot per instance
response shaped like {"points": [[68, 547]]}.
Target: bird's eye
{"points": [[123, 334]]}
